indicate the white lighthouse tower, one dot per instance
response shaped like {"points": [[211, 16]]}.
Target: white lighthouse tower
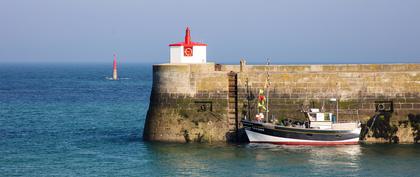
{"points": [[188, 51]]}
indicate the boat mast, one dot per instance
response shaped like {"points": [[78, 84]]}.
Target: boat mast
{"points": [[267, 85]]}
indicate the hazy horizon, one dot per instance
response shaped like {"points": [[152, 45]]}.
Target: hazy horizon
{"points": [[287, 32]]}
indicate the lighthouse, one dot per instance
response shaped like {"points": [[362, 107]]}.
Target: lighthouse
{"points": [[188, 51], [114, 71]]}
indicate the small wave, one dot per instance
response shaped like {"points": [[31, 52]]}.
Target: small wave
{"points": [[121, 78]]}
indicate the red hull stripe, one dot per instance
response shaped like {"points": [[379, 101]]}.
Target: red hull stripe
{"points": [[309, 143]]}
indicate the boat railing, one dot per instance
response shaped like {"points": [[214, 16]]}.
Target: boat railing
{"points": [[347, 121]]}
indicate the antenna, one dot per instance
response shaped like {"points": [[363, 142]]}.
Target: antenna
{"points": [[267, 85]]}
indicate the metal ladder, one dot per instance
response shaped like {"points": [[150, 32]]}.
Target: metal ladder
{"points": [[233, 103]]}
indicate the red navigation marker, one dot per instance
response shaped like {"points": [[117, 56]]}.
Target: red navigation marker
{"points": [[114, 73]]}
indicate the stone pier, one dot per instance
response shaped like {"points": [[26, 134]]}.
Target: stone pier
{"points": [[193, 102]]}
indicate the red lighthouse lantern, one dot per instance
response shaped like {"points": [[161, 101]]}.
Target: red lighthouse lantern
{"points": [[188, 51]]}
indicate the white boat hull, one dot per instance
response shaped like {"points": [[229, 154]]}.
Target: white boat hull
{"points": [[255, 137]]}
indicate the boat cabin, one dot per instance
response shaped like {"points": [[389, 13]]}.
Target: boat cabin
{"points": [[319, 120], [325, 121]]}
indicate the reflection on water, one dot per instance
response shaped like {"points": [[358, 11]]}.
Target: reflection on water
{"points": [[318, 160], [262, 159], [280, 160], [346, 159]]}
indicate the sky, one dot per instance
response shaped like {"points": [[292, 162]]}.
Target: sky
{"points": [[286, 31]]}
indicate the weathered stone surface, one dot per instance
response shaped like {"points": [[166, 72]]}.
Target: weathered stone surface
{"points": [[173, 114]]}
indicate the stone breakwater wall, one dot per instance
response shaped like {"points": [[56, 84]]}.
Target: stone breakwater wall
{"points": [[205, 102]]}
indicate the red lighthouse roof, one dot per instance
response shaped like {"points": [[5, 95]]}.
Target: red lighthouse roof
{"points": [[188, 42]]}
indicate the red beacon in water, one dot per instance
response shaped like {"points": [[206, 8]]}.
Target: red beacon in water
{"points": [[114, 71]]}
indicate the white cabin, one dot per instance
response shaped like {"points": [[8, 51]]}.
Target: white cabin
{"points": [[188, 51]]}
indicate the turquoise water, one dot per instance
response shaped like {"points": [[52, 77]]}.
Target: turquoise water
{"points": [[70, 120]]}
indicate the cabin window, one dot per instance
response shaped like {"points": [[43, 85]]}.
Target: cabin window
{"points": [[327, 117]]}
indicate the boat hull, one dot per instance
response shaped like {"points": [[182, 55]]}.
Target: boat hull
{"points": [[255, 137], [258, 133]]}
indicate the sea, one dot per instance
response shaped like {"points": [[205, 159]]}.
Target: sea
{"points": [[70, 119]]}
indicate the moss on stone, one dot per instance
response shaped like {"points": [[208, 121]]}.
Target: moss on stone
{"points": [[415, 124]]}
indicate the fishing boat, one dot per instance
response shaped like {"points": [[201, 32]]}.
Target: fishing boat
{"points": [[319, 129]]}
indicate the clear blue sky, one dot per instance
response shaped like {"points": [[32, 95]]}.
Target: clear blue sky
{"points": [[287, 31]]}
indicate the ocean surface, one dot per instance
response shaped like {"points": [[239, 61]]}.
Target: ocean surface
{"points": [[71, 120]]}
